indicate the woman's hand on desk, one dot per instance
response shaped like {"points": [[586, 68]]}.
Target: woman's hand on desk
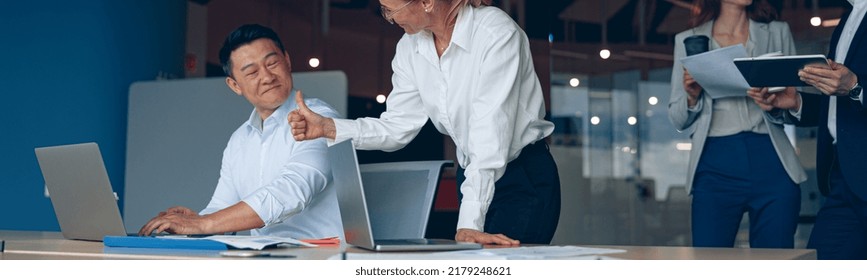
{"points": [[308, 125], [475, 236]]}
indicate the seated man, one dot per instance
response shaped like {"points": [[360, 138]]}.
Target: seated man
{"points": [[268, 182]]}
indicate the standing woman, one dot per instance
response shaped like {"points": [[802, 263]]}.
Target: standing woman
{"points": [[467, 67], [741, 160]]}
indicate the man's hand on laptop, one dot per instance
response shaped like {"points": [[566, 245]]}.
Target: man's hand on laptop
{"points": [[470, 235], [175, 220], [180, 210]]}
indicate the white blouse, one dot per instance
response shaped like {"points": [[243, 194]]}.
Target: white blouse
{"points": [[483, 92]]}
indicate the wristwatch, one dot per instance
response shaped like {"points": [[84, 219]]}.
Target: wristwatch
{"points": [[855, 92]]}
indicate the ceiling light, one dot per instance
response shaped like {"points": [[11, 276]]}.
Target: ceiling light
{"points": [[604, 53], [314, 62]]}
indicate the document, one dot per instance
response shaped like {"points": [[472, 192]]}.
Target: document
{"points": [[716, 72], [214, 242], [256, 242]]}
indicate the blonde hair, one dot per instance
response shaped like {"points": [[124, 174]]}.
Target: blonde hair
{"points": [[456, 5]]}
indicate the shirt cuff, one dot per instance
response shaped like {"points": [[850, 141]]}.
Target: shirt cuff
{"points": [[797, 113], [861, 97], [472, 215], [266, 206], [343, 130], [697, 108]]}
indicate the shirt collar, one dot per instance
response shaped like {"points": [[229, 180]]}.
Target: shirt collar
{"points": [[462, 34], [256, 122]]}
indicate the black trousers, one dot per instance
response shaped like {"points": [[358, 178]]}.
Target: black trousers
{"points": [[840, 232], [526, 204]]}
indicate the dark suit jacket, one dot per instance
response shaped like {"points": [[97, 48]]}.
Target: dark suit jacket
{"points": [[851, 120]]}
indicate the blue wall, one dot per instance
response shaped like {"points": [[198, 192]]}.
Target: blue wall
{"points": [[64, 78]]}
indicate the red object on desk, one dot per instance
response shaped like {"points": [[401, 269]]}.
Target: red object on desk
{"points": [[328, 241]]}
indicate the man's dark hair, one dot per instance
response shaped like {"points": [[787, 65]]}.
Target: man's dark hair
{"points": [[244, 35]]}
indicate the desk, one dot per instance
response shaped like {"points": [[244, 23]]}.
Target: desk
{"points": [[34, 245], [692, 253], [31, 245]]}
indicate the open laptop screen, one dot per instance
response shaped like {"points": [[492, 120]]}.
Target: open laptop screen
{"points": [[80, 191]]}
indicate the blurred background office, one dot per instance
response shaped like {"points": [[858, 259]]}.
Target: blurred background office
{"points": [[604, 65]]}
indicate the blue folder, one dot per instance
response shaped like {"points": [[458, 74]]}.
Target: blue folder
{"points": [[162, 243]]}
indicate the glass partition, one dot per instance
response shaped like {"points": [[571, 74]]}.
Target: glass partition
{"points": [[623, 164]]}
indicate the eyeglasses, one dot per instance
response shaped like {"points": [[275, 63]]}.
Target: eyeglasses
{"points": [[389, 14]]}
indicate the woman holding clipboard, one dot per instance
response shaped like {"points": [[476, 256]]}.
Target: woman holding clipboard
{"points": [[741, 160]]}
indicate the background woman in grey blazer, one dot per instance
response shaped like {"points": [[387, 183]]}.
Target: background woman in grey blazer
{"points": [[741, 160]]}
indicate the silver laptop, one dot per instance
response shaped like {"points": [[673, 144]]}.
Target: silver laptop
{"points": [[400, 196], [78, 185], [354, 210]]}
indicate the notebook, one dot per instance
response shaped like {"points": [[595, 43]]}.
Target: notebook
{"points": [[354, 211], [80, 192]]}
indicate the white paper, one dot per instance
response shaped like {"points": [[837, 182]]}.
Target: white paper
{"points": [[252, 242], [537, 252], [716, 72]]}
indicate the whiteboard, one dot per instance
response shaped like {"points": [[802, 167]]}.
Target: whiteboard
{"points": [[176, 133]]}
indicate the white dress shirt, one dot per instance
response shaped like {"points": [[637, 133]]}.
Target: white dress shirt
{"points": [[851, 26], [483, 92], [855, 18], [284, 181]]}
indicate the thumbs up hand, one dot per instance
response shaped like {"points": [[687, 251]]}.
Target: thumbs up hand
{"points": [[308, 125]]}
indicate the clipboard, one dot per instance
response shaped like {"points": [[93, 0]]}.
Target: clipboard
{"points": [[777, 71]]}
